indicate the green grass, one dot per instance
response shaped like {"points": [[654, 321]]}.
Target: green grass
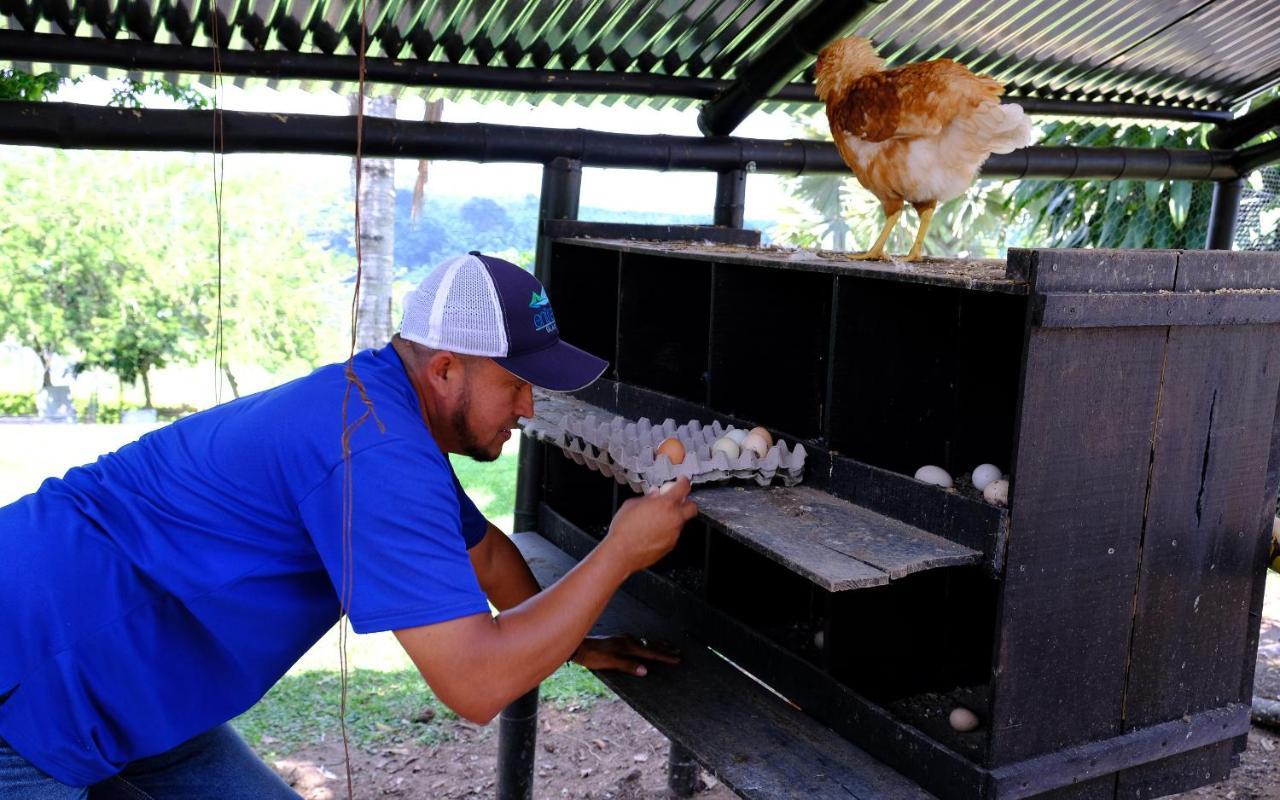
{"points": [[302, 709], [491, 486]]}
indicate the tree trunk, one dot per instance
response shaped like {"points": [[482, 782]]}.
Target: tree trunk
{"points": [[377, 237], [231, 379], [47, 380], [146, 386]]}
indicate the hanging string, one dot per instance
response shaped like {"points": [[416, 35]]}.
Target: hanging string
{"points": [[349, 429], [219, 165]]}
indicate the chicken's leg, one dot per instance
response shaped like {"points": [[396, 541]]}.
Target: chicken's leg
{"points": [[876, 253], [925, 210]]}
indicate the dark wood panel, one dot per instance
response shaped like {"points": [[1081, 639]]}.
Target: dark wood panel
{"points": [[809, 531], [663, 307], [1204, 526], [1207, 270], [752, 740], [1094, 270], [937, 767], [1126, 309], [1177, 773], [1079, 484], [583, 287], [567, 228]]}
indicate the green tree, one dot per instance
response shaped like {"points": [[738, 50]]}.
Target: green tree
{"points": [[60, 259]]}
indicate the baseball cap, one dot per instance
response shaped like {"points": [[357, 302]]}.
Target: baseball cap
{"points": [[484, 306]]}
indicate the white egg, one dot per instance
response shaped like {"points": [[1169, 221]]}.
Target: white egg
{"points": [[727, 446], [819, 640], [963, 720], [984, 474], [668, 486], [756, 444], [935, 475], [737, 435], [997, 493]]}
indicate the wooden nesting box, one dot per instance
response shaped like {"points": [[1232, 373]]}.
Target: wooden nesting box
{"points": [[1103, 627]]}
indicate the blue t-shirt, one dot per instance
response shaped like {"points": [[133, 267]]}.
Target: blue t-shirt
{"points": [[164, 589]]}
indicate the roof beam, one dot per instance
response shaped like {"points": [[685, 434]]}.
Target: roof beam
{"points": [[138, 56], [76, 126], [1235, 132], [772, 69], [1258, 156]]}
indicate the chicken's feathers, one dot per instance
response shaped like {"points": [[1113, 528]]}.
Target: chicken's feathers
{"points": [[910, 101]]}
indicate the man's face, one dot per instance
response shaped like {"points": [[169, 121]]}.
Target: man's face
{"points": [[492, 400]]}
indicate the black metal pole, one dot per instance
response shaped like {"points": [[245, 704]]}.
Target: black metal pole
{"points": [[138, 56], [682, 772], [777, 65], [68, 125], [1235, 132], [731, 197], [517, 742], [1222, 216], [561, 188]]}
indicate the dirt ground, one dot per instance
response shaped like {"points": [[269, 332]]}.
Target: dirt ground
{"points": [[607, 752]]}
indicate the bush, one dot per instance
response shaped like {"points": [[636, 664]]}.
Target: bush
{"points": [[109, 413], [17, 404]]}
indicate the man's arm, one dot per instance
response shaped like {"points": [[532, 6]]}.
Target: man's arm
{"points": [[503, 574], [478, 664]]}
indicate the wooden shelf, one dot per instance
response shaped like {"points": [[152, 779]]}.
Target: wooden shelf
{"points": [[754, 741], [987, 275], [837, 545]]}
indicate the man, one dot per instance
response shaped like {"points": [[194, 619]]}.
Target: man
{"points": [[150, 597]]}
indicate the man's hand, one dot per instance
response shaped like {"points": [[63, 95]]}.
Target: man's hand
{"points": [[623, 653], [646, 528]]}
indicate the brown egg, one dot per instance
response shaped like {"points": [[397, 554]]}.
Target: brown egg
{"points": [[763, 434], [672, 449]]}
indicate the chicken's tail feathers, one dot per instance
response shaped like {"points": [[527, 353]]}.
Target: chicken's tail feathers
{"points": [[1004, 127]]}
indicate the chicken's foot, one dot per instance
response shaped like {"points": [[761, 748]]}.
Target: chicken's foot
{"points": [[876, 253], [926, 216]]}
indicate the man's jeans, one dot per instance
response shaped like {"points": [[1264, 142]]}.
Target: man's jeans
{"points": [[217, 765]]}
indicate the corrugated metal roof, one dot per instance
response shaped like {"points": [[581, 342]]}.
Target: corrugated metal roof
{"points": [[1193, 53]]}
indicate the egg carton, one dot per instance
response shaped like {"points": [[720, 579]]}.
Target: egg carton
{"points": [[623, 449]]}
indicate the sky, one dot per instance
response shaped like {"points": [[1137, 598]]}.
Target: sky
{"points": [[623, 189]]}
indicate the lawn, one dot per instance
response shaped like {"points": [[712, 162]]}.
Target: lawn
{"points": [[386, 694]]}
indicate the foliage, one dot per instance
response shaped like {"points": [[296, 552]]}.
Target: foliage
{"points": [[111, 260], [17, 404], [302, 709], [1121, 213], [60, 262], [18, 85], [131, 93]]}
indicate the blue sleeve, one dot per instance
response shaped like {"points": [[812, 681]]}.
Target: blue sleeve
{"points": [[474, 524], [408, 558]]}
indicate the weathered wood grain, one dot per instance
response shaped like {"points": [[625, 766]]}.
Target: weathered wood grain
{"points": [[751, 739]]}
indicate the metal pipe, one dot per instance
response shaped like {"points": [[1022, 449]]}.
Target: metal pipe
{"points": [[137, 56], [777, 65], [517, 742], [731, 198], [1235, 132], [561, 190], [682, 771], [1258, 156], [1223, 214], [73, 126]]}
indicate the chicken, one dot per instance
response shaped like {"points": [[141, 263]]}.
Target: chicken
{"points": [[914, 134]]}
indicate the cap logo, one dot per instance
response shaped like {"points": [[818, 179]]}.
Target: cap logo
{"points": [[543, 318]]}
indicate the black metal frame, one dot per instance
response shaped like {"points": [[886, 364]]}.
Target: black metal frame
{"points": [[81, 126], [134, 55]]}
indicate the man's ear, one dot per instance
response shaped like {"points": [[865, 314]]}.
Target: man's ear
{"points": [[443, 370]]}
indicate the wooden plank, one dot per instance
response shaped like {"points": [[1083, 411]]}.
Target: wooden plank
{"points": [[984, 275], [967, 521], [1079, 484], [938, 769], [1128, 309], [1207, 270], [804, 529], [573, 228], [1205, 519], [751, 739], [1094, 270], [1034, 776]]}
